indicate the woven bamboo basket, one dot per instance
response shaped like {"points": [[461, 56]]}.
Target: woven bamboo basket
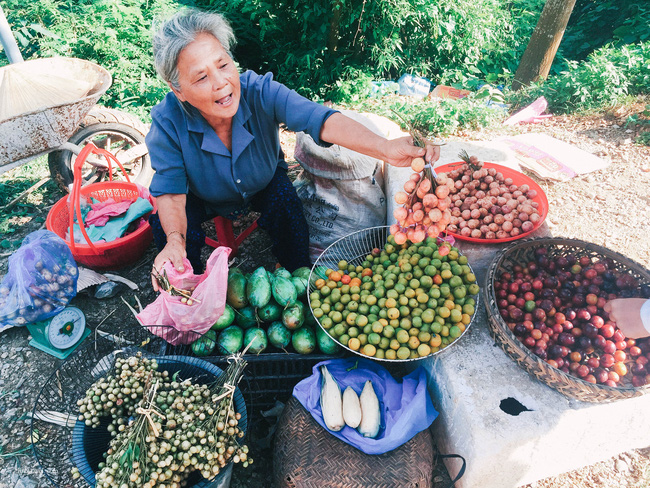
{"points": [[567, 384], [307, 456]]}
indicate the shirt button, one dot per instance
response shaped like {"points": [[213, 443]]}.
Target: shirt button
{"points": [[238, 181]]}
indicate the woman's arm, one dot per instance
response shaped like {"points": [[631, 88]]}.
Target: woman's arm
{"points": [[342, 130], [171, 211]]}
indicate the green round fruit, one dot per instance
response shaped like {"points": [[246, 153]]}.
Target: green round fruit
{"points": [[205, 344], [246, 317], [258, 288], [270, 312], [325, 343], [283, 290], [255, 340], [230, 340], [282, 272], [302, 273], [279, 336], [301, 285], [294, 316], [304, 341], [226, 319], [236, 293]]}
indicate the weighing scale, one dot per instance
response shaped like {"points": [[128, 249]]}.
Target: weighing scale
{"points": [[60, 335]]}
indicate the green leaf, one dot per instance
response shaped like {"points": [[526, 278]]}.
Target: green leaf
{"points": [[42, 30], [124, 458]]}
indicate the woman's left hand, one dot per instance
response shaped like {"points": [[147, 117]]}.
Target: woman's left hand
{"points": [[401, 151]]}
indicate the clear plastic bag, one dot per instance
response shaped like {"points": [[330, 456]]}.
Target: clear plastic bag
{"points": [[187, 322], [41, 280]]}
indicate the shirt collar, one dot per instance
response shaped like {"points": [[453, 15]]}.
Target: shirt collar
{"points": [[241, 138]]}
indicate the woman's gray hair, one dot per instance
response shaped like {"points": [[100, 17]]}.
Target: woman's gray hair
{"points": [[175, 33]]}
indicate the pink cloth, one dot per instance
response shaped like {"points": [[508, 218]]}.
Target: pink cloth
{"points": [[100, 212], [185, 323], [531, 114]]}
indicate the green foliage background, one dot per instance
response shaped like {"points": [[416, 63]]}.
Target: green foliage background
{"points": [[334, 49], [448, 41]]}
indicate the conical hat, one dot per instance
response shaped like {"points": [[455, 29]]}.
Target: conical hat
{"points": [[23, 90]]}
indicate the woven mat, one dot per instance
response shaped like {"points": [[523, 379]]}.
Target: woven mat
{"points": [[307, 456]]}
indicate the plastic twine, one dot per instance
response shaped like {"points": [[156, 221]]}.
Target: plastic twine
{"points": [[146, 412]]}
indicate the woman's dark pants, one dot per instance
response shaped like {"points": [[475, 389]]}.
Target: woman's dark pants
{"points": [[281, 216]]}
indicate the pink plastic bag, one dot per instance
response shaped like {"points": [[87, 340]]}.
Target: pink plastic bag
{"points": [[532, 113], [210, 301]]}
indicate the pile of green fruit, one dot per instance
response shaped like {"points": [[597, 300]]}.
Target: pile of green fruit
{"points": [[265, 310], [406, 301]]}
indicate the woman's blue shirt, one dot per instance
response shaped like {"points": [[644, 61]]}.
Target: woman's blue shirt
{"points": [[187, 155]]}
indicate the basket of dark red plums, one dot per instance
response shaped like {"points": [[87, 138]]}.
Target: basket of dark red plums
{"points": [[545, 300]]}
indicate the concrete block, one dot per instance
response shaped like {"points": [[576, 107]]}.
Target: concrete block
{"points": [[511, 428]]}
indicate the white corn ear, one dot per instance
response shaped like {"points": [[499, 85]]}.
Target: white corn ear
{"points": [[331, 403], [370, 414], [351, 408]]}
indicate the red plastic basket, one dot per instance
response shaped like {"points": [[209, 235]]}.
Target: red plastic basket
{"points": [[518, 179], [100, 255]]}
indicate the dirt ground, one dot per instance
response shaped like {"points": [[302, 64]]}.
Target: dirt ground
{"points": [[610, 207]]}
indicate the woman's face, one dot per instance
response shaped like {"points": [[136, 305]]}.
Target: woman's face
{"points": [[208, 79]]}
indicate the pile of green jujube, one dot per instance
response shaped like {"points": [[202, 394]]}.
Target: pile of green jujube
{"points": [[163, 428], [266, 311], [402, 302]]}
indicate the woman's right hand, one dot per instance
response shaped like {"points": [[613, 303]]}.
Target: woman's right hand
{"points": [[173, 252]]}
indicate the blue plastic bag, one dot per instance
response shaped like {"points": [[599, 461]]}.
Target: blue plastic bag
{"points": [[406, 406], [40, 281]]}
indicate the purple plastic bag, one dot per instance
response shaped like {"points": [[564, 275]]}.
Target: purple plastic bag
{"points": [[40, 281], [406, 407]]}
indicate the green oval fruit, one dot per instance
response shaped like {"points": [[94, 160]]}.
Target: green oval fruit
{"points": [[226, 319], [301, 285], [246, 317], [319, 273], [230, 340], [255, 340], [270, 312], [326, 344], [236, 294], [294, 316], [304, 341], [258, 288], [310, 320], [282, 272], [303, 273], [283, 291], [279, 336], [205, 344]]}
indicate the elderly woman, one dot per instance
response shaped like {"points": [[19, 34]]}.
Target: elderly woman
{"points": [[214, 143]]}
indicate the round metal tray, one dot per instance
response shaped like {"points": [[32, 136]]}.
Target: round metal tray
{"points": [[354, 248]]}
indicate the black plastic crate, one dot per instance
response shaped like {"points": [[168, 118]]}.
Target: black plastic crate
{"points": [[271, 377]]}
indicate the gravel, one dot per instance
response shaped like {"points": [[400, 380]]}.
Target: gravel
{"points": [[610, 207]]}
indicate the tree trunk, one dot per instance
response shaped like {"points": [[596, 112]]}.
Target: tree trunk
{"points": [[333, 34], [538, 57]]}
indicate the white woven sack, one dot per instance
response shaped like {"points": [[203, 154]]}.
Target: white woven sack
{"points": [[342, 191]]}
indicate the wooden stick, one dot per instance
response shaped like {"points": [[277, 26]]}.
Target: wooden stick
{"points": [[29, 190]]}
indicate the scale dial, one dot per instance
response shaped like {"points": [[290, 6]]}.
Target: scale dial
{"points": [[66, 328]]}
